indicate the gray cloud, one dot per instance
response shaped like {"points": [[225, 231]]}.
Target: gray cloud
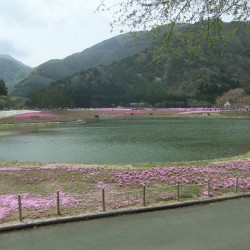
{"points": [[35, 31], [7, 47], [12, 11], [20, 13]]}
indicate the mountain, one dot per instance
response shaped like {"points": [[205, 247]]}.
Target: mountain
{"points": [[12, 71], [176, 80], [106, 52]]}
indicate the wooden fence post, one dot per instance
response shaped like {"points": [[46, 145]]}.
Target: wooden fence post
{"points": [[58, 203], [178, 191], [20, 207], [236, 185], [144, 195], [208, 188], [103, 200]]}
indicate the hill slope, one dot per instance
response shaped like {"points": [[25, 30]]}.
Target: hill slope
{"points": [[175, 81], [12, 71], [106, 52]]}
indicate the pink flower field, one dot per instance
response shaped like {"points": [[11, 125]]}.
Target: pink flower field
{"points": [[81, 187], [189, 111], [34, 114]]}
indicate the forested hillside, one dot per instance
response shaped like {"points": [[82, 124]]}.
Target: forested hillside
{"points": [[177, 80], [106, 52], [12, 71]]}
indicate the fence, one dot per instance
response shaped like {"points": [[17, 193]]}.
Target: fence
{"points": [[104, 199]]}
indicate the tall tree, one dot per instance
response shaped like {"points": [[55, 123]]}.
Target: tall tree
{"points": [[207, 14], [232, 96], [3, 89], [51, 97], [244, 102]]}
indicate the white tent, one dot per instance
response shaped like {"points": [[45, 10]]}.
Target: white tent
{"points": [[227, 106]]}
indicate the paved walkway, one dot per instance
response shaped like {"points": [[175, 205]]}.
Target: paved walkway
{"points": [[223, 225], [9, 113]]}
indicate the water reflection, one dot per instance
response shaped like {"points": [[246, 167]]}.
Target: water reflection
{"points": [[18, 131]]}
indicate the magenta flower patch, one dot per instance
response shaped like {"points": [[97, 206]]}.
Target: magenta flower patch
{"points": [[34, 114], [221, 175], [9, 203]]}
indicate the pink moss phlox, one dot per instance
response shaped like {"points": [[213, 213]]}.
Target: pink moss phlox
{"points": [[49, 168], [129, 202], [221, 175], [87, 170], [34, 114], [100, 209], [123, 112], [205, 193], [9, 202], [101, 185], [91, 171], [12, 169], [66, 199], [198, 110], [4, 212]]}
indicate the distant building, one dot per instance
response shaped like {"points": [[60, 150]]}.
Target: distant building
{"points": [[137, 104], [227, 106]]}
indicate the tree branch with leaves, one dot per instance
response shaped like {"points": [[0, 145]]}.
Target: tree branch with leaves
{"points": [[178, 15]]}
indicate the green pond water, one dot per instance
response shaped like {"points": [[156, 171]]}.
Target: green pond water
{"points": [[130, 140]]}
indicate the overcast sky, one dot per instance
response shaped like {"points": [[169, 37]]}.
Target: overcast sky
{"points": [[35, 31]]}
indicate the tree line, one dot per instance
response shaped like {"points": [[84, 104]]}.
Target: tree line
{"points": [[4, 102], [234, 99]]}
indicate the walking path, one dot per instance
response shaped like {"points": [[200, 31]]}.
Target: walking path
{"points": [[9, 113]]}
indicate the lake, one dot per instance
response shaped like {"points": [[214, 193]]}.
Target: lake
{"points": [[130, 140]]}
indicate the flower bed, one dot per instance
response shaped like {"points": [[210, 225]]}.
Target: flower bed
{"points": [[34, 114], [81, 187]]}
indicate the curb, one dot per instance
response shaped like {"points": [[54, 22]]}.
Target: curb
{"points": [[68, 219]]}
